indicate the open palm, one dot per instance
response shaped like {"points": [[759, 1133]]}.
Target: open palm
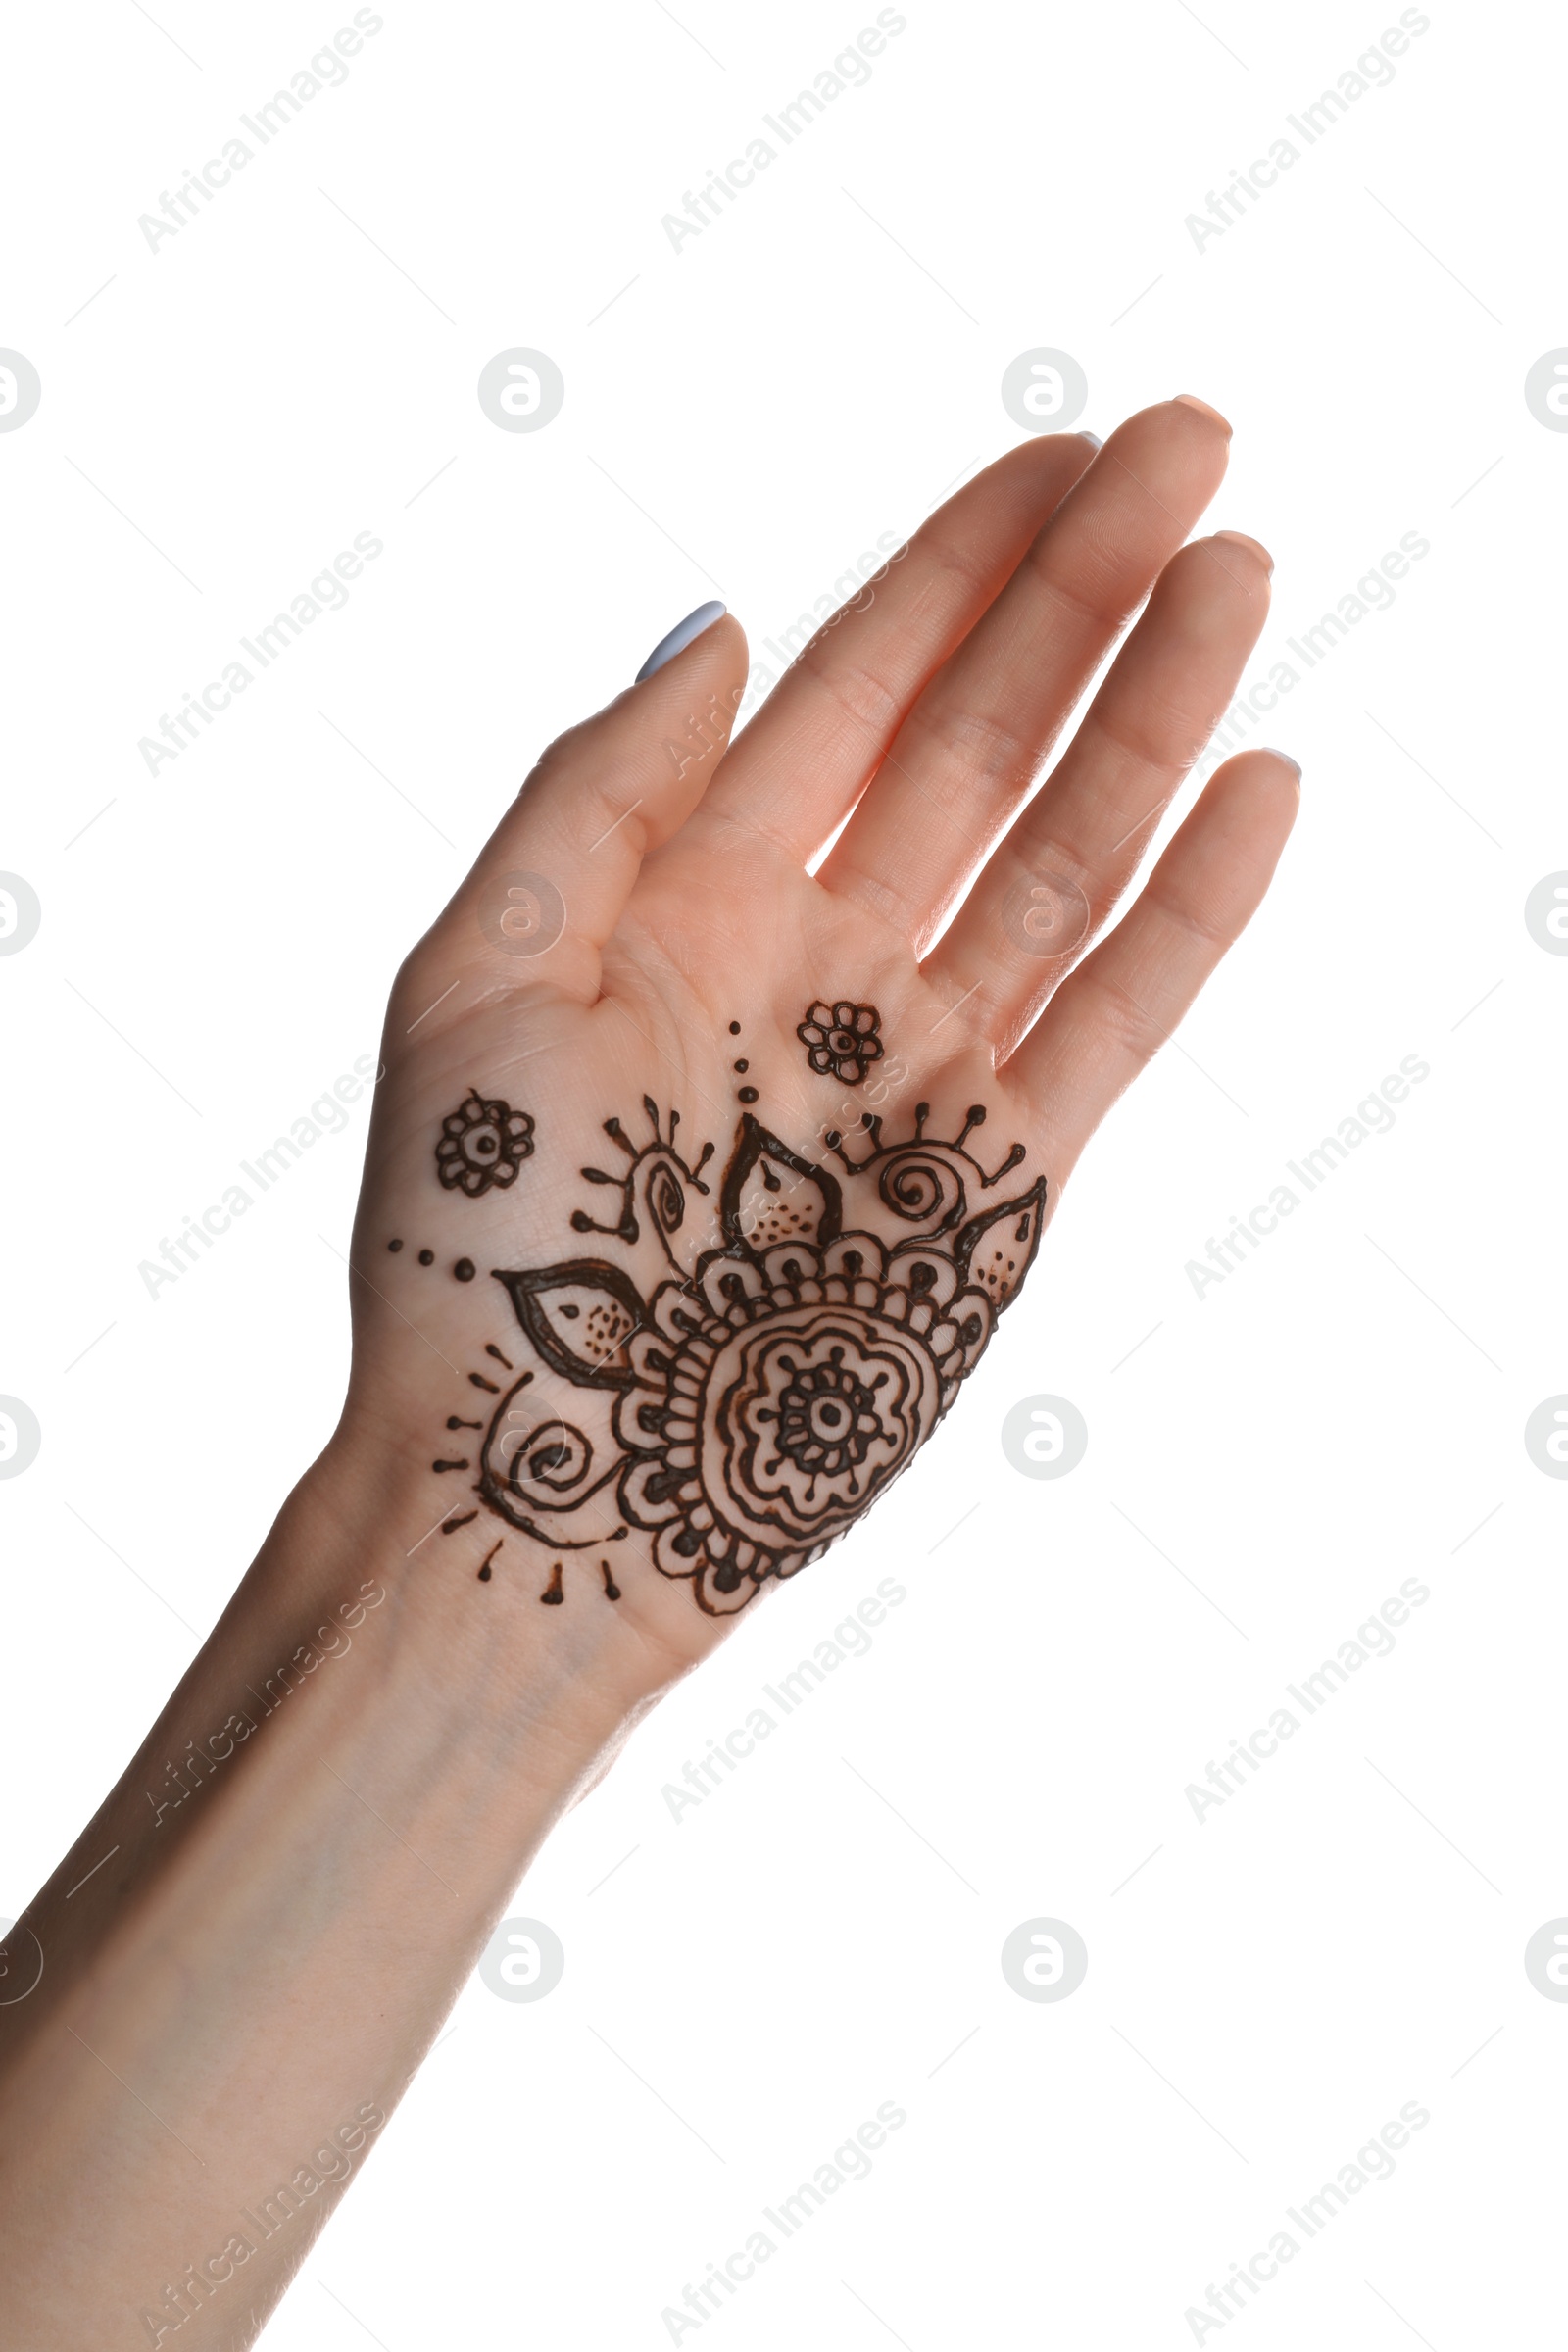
{"points": [[703, 1162]]}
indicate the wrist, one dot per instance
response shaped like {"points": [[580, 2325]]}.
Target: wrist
{"points": [[356, 1580]]}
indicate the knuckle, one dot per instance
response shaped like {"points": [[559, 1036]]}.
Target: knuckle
{"points": [[977, 741], [1123, 1020]]}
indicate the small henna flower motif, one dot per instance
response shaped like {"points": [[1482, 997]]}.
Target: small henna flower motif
{"points": [[842, 1040], [482, 1144]]}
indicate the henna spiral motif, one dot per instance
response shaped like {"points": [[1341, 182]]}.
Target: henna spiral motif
{"points": [[923, 1189], [536, 1457], [664, 1197]]}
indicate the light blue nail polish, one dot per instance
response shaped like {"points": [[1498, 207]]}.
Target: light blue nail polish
{"points": [[681, 637], [1093, 439]]}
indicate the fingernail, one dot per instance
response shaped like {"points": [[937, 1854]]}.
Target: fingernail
{"points": [[1093, 439], [1239, 539], [681, 637], [1190, 400], [1293, 765]]}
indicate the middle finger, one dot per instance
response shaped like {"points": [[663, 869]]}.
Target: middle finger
{"points": [[966, 755]]}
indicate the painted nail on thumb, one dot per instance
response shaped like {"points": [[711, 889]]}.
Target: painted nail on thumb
{"points": [[681, 637]]}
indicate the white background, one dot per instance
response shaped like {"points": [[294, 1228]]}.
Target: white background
{"points": [[749, 414]]}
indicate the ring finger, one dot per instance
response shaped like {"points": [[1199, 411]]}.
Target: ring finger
{"points": [[1052, 882], [966, 755]]}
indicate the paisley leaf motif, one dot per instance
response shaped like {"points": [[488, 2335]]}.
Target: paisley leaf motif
{"points": [[772, 1195], [580, 1316], [996, 1250]]}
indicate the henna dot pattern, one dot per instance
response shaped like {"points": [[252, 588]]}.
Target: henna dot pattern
{"points": [[483, 1144], [463, 1270], [394, 1244], [842, 1040], [427, 1257]]}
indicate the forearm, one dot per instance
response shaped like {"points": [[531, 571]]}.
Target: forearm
{"points": [[672, 1343], [286, 1891]]}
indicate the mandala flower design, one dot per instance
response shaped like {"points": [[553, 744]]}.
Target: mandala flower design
{"points": [[482, 1144], [773, 1407], [841, 1040], [746, 1415]]}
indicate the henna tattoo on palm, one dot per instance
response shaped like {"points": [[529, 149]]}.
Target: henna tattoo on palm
{"points": [[484, 1143], [842, 1041], [757, 1361]]}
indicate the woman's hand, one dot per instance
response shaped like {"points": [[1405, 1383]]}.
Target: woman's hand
{"points": [[696, 1184], [702, 1163]]}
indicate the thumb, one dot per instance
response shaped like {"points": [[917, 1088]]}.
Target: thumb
{"points": [[551, 881]]}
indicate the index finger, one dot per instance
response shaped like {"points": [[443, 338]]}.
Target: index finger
{"points": [[803, 762]]}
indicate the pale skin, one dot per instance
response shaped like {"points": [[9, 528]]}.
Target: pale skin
{"points": [[259, 1965]]}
